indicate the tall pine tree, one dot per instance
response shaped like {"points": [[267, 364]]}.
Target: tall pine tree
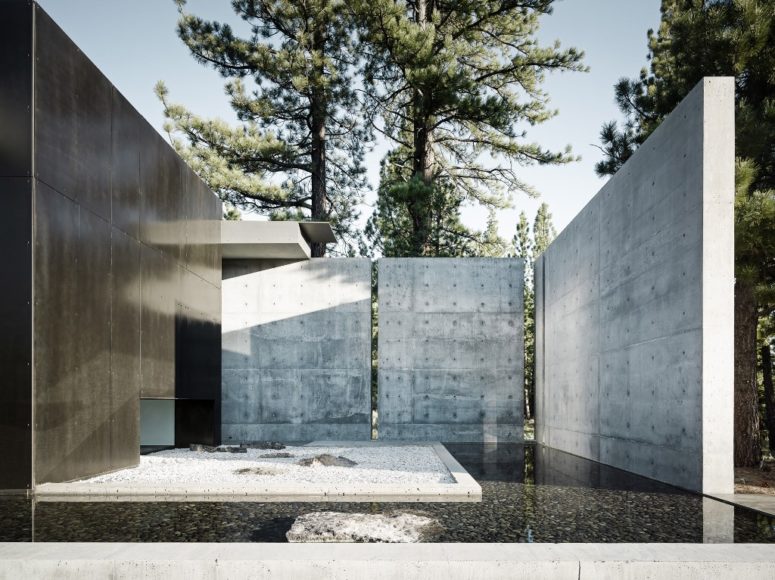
{"points": [[298, 152], [456, 82], [389, 229], [698, 38]]}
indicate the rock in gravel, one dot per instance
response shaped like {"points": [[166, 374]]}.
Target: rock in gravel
{"points": [[199, 447], [264, 445], [257, 471], [327, 460], [357, 527], [280, 455], [231, 449]]}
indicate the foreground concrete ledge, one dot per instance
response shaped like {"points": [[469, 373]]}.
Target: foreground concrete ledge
{"points": [[465, 488], [377, 561]]}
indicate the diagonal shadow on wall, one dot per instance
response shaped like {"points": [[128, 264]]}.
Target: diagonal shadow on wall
{"points": [[296, 350]]}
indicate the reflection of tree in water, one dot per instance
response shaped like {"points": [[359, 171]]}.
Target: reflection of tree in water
{"points": [[529, 477], [529, 496]]}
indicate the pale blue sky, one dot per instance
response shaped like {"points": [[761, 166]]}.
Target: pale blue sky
{"points": [[134, 44]]}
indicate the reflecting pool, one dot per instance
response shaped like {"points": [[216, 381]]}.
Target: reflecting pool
{"points": [[530, 493]]}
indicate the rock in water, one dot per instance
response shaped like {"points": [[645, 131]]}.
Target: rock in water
{"points": [[327, 460], [280, 455], [343, 527]]}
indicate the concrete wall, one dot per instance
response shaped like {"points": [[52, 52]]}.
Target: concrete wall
{"points": [[634, 308], [451, 349], [116, 243], [296, 350]]}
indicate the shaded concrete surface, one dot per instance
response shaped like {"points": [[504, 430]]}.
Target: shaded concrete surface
{"points": [[450, 349], [377, 561], [634, 305], [296, 353]]}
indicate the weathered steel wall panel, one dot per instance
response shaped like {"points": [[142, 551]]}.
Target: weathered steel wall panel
{"points": [[125, 376], [72, 338], [92, 335], [16, 338], [16, 89], [214, 248], [72, 119], [163, 219], [59, 404], [125, 174], [202, 252], [15, 239], [117, 253], [160, 283]]}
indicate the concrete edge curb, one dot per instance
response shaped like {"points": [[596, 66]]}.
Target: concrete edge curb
{"points": [[377, 561]]}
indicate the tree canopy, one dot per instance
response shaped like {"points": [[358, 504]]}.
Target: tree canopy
{"points": [[456, 83], [298, 149]]}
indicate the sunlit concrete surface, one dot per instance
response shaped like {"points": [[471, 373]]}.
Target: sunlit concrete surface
{"points": [[634, 308]]}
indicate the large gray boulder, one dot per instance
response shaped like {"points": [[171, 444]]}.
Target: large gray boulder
{"points": [[358, 527]]}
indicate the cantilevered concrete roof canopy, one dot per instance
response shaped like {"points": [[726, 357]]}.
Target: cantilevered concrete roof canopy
{"points": [[272, 240]]}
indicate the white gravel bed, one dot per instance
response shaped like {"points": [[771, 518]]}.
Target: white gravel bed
{"points": [[406, 464]]}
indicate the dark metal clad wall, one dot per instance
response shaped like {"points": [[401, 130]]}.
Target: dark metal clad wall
{"points": [[72, 124], [160, 282], [15, 240], [126, 237], [125, 364], [16, 336], [15, 88], [125, 174]]}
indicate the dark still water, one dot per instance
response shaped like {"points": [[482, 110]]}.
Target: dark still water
{"points": [[529, 494]]}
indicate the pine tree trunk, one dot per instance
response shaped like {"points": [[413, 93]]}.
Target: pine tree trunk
{"points": [[769, 395], [318, 129], [419, 205], [747, 445]]}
